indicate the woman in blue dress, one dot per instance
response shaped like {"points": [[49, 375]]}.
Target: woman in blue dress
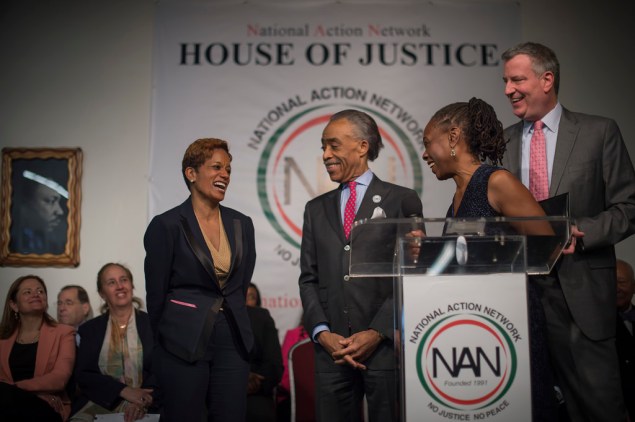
{"points": [[459, 139]]}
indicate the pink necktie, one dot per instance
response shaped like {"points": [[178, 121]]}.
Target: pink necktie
{"points": [[349, 210], [538, 175]]}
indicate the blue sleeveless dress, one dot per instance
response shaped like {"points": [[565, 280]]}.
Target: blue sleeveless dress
{"points": [[474, 202], [544, 403]]}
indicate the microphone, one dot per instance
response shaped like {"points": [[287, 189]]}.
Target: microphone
{"points": [[411, 207]]}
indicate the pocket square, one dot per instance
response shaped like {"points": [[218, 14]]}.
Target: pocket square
{"points": [[378, 213]]}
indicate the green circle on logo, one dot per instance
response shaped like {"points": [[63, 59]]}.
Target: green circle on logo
{"points": [[512, 367], [268, 149]]}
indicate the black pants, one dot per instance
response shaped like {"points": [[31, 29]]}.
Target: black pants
{"points": [[340, 394], [544, 403], [260, 408], [208, 390], [587, 370], [18, 405]]}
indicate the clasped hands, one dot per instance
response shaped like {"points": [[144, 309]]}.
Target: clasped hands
{"points": [[138, 400], [254, 383], [351, 350]]}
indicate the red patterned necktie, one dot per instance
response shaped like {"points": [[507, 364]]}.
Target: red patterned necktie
{"points": [[538, 175], [349, 210]]}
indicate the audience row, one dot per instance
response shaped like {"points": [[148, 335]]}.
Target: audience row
{"points": [[111, 353], [77, 367]]}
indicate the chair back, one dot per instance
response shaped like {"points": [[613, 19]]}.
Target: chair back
{"points": [[302, 381]]}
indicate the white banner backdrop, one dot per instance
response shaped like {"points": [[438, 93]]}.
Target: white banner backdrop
{"points": [[266, 77]]}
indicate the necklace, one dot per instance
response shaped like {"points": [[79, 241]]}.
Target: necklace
{"points": [[21, 339], [119, 324]]}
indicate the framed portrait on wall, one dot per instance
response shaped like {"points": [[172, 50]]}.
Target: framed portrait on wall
{"points": [[40, 209]]}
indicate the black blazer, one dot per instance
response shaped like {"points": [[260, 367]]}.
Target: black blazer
{"points": [[92, 384], [182, 296], [347, 305]]}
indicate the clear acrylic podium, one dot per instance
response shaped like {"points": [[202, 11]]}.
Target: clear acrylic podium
{"points": [[461, 317]]}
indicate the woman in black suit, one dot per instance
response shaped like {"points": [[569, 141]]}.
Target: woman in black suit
{"points": [[114, 355], [200, 257]]}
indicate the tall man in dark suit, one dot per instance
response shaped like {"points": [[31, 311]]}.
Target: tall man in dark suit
{"points": [[625, 334], [586, 157], [349, 319]]}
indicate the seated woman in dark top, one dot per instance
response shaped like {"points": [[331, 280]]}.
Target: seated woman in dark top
{"points": [[265, 361], [36, 356], [114, 355]]}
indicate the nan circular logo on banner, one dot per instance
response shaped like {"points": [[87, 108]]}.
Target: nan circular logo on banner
{"points": [[291, 171], [466, 362]]}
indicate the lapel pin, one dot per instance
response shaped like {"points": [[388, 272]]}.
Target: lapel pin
{"points": [[376, 199]]}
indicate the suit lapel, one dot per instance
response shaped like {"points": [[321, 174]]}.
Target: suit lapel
{"points": [[512, 157], [376, 190], [45, 344], [187, 211], [332, 205], [233, 238], [567, 133], [332, 212]]}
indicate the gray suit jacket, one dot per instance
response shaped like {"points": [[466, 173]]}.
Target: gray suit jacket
{"points": [[356, 304], [592, 164]]}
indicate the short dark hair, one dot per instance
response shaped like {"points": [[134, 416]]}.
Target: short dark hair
{"points": [[478, 122], [366, 128], [543, 59], [82, 296], [200, 151]]}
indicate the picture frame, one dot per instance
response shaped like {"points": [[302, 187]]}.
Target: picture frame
{"points": [[40, 207]]}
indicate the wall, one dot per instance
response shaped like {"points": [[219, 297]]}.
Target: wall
{"points": [[78, 73]]}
